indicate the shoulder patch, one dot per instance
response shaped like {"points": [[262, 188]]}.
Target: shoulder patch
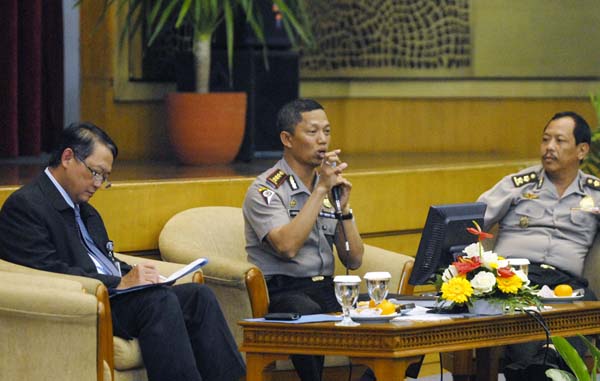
{"points": [[267, 194], [277, 178], [592, 182], [292, 181], [520, 180]]}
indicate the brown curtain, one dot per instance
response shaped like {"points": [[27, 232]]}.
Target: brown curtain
{"points": [[31, 76]]}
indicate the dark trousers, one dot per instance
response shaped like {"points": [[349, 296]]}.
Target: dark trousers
{"points": [[182, 333], [302, 295]]}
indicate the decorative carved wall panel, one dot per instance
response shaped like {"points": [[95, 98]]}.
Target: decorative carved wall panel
{"points": [[388, 37]]}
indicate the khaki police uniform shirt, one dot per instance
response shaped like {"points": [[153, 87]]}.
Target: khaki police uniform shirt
{"points": [[535, 223], [275, 197]]}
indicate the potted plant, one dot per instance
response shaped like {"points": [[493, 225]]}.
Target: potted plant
{"points": [[591, 163], [574, 361], [207, 128]]}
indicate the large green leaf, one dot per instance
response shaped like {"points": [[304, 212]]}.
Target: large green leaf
{"points": [[571, 357]]}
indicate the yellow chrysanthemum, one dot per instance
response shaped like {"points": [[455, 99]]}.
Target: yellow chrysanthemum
{"points": [[509, 285], [457, 290]]}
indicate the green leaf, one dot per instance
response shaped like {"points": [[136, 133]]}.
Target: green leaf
{"points": [[593, 350], [560, 375], [571, 357], [154, 12], [229, 32], [183, 12], [161, 22]]}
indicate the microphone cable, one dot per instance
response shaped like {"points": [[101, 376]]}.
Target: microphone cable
{"points": [[539, 319], [537, 316]]}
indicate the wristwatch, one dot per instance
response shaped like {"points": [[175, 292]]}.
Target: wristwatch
{"points": [[348, 216]]}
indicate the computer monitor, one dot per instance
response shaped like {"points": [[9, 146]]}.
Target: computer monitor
{"points": [[444, 237]]}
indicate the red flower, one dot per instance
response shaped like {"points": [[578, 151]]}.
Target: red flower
{"points": [[505, 272], [466, 265], [481, 235]]}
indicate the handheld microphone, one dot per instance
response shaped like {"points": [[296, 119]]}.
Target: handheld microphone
{"points": [[335, 192]]}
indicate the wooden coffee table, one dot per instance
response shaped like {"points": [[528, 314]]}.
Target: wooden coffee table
{"points": [[388, 348]]}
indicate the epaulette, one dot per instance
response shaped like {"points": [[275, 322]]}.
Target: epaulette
{"points": [[292, 181], [277, 178], [520, 180], [592, 182]]}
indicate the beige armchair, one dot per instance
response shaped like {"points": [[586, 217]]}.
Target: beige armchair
{"points": [[56, 326], [217, 233]]}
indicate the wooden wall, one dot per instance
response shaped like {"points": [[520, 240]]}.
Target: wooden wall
{"points": [[390, 123]]}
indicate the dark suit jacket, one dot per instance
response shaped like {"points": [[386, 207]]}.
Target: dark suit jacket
{"points": [[38, 229]]}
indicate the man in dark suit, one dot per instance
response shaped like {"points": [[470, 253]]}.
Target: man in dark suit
{"points": [[49, 225]]}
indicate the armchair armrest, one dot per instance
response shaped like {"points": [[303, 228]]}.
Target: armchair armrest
{"points": [[39, 314], [592, 266]]}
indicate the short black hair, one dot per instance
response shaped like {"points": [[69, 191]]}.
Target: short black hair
{"points": [[81, 138], [291, 113], [582, 131]]}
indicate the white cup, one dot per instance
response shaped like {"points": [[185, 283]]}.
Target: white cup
{"points": [[519, 264]]}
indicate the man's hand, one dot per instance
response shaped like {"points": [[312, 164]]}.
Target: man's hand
{"points": [[330, 172], [143, 273], [330, 175]]}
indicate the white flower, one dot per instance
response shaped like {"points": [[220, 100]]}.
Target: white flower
{"points": [[472, 250], [483, 282], [503, 263], [489, 259], [449, 273], [523, 277]]}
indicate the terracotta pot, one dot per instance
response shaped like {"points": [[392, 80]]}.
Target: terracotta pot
{"points": [[206, 128]]}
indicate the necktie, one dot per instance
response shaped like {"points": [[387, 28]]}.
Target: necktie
{"points": [[107, 265]]}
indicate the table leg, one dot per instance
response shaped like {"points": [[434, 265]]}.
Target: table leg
{"points": [[488, 363], [392, 369], [257, 362]]}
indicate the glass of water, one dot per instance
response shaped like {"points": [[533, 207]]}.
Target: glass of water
{"points": [[377, 285], [346, 292]]}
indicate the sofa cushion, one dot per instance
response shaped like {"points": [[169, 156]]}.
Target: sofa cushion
{"points": [[128, 354]]}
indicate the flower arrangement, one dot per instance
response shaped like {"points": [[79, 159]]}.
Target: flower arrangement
{"points": [[480, 274]]}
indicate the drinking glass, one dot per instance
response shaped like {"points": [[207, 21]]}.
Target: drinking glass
{"points": [[346, 292], [377, 285]]}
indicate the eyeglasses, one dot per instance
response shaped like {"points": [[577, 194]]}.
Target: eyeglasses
{"points": [[98, 177]]}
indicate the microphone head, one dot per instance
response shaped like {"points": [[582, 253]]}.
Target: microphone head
{"points": [[335, 192]]}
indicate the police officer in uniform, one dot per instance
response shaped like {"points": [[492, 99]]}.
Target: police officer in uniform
{"points": [[291, 224], [548, 213]]}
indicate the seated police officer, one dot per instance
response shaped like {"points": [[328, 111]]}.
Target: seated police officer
{"points": [[291, 224], [543, 214]]}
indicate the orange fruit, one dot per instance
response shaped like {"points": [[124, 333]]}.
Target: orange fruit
{"points": [[387, 307], [563, 290]]}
